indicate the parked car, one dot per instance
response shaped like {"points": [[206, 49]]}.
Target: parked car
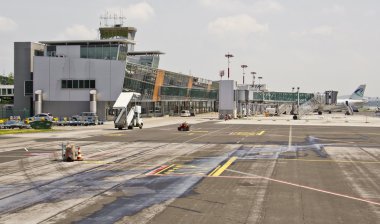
{"points": [[43, 116], [185, 113]]}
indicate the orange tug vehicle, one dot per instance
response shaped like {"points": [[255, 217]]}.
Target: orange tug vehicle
{"points": [[184, 127], [70, 153]]}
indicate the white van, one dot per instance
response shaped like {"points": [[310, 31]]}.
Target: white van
{"points": [[185, 113]]}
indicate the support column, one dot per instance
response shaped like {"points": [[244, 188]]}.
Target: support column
{"points": [[93, 101], [38, 102]]}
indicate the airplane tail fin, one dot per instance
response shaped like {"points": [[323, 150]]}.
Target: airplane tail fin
{"points": [[358, 94]]}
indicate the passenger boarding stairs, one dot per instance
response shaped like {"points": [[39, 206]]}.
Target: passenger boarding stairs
{"points": [[128, 117], [310, 106], [284, 108], [350, 110]]}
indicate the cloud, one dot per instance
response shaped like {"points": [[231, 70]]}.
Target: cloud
{"points": [[239, 25], [140, 11], [316, 31], [322, 30], [262, 6], [267, 6], [221, 4], [78, 32], [335, 9], [7, 24]]}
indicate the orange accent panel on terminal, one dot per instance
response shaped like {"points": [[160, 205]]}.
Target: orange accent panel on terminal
{"points": [[159, 81]]}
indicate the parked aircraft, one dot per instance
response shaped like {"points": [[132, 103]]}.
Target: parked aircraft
{"points": [[351, 104]]}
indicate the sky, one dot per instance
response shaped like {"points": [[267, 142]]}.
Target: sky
{"points": [[316, 45]]}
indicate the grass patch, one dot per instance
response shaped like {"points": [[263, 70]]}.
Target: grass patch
{"points": [[20, 131]]}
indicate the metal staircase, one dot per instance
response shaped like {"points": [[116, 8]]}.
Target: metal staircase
{"points": [[310, 106]]}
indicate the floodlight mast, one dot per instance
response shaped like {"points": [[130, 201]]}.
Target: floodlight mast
{"points": [[228, 56]]}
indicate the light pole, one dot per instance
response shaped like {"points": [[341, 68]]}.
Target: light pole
{"points": [[259, 82], [243, 67], [298, 100], [228, 56], [221, 74], [253, 78]]}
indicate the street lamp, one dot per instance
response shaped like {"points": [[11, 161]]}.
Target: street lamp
{"points": [[298, 100], [228, 56], [243, 67], [253, 78]]}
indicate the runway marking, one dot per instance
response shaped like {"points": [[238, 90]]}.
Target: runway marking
{"points": [[246, 133], [224, 167], [114, 134], [260, 133], [306, 187], [165, 169], [321, 160], [290, 138], [158, 169], [214, 170]]}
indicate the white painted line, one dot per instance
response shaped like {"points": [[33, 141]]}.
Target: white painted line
{"points": [[26, 149], [290, 138], [306, 187]]}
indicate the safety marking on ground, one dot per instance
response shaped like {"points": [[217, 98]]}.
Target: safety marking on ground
{"points": [[260, 133], [242, 133], [181, 169], [224, 167], [314, 160], [200, 131], [305, 187], [165, 169], [327, 160], [214, 170], [115, 134], [157, 169]]}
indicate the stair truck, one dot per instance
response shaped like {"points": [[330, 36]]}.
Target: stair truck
{"points": [[128, 111]]}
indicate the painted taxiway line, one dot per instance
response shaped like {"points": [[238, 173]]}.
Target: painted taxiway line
{"points": [[319, 160], [306, 187], [224, 167]]}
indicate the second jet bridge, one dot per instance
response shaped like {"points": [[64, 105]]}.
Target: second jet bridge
{"points": [[129, 111]]}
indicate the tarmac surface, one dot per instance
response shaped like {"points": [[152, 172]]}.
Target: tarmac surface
{"points": [[321, 169]]}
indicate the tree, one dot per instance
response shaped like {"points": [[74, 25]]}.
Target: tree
{"points": [[7, 80]]}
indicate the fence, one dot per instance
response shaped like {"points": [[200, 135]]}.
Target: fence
{"points": [[6, 112]]}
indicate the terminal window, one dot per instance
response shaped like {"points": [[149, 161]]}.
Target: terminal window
{"points": [[77, 84]]}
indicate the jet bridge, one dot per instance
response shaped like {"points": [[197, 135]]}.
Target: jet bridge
{"points": [[129, 111]]}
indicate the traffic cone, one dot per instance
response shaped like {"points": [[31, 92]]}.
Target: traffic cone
{"points": [[79, 157]]}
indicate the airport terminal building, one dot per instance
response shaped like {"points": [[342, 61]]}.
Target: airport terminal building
{"points": [[68, 77]]}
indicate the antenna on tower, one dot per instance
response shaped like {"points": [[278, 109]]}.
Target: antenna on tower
{"points": [[118, 18]]}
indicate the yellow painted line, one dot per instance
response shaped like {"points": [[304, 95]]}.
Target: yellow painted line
{"points": [[334, 161], [224, 167], [200, 131], [260, 133], [167, 168], [214, 170]]}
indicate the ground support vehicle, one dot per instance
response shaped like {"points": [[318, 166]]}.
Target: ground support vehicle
{"points": [[129, 112], [184, 127]]}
